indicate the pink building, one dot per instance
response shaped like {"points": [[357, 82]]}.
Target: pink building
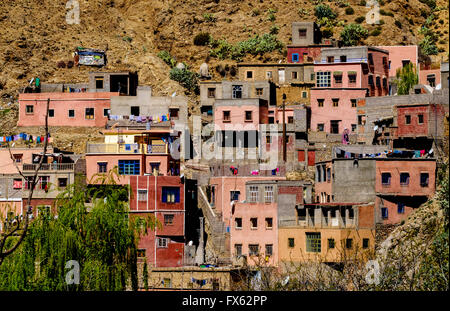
{"points": [[399, 56], [431, 77], [65, 109], [342, 76]]}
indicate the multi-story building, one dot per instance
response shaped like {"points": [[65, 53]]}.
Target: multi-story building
{"points": [[342, 76]]}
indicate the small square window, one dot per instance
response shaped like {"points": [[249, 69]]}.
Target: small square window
{"points": [[302, 33], [294, 57], [234, 195], [238, 249], [168, 220], [291, 242], [320, 102], [269, 249], [62, 182], [89, 113], [420, 118], [331, 243], [71, 113], [384, 213], [99, 83], [238, 223], [424, 179], [211, 92], [269, 223], [18, 157], [51, 113], [253, 249], [353, 127], [30, 109], [335, 102], [105, 112], [142, 195], [400, 208], [226, 116], [320, 127], [163, 242], [330, 59], [304, 94], [268, 139], [348, 243], [140, 253], [294, 75], [249, 74], [248, 116], [17, 183], [259, 92], [353, 101], [254, 223], [404, 179], [407, 119], [343, 58], [385, 179], [365, 243], [290, 119], [102, 167]]}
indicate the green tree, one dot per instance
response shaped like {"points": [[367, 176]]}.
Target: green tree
{"points": [[428, 46], [323, 10], [100, 236], [353, 34], [186, 78], [406, 78]]}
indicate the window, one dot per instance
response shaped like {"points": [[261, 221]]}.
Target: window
{"points": [[62, 182], [238, 249], [105, 112], [259, 92], [338, 78], [384, 212], [268, 194], [253, 249], [18, 157], [335, 102], [400, 208], [420, 117], [269, 249], [405, 62], [234, 195], [378, 81], [389, 64], [89, 113], [324, 79], [320, 102], [370, 80], [353, 127], [226, 116], [51, 113], [248, 116], [269, 223], [254, 194], [162, 242], [102, 167], [141, 253], [313, 242], [170, 194], [238, 223], [348, 243], [294, 57], [154, 167], [343, 58], [330, 59], [291, 242], [334, 127], [71, 113], [249, 74], [352, 78], [98, 82], [17, 183], [29, 109], [142, 195], [320, 127], [268, 74], [43, 182], [294, 75], [424, 178], [331, 243], [407, 119], [302, 33], [370, 57], [431, 80], [135, 110], [353, 101], [385, 179], [168, 219], [254, 223], [268, 139], [211, 92], [365, 243], [304, 94], [404, 179], [237, 91], [290, 119], [129, 167]]}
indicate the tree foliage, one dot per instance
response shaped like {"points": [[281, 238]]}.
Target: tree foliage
{"points": [[323, 10], [353, 34], [406, 79], [102, 238], [167, 58], [186, 78]]}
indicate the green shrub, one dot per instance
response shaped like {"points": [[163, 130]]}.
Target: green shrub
{"points": [[302, 12], [441, 21], [349, 11], [375, 32], [127, 38], [202, 39], [167, 58], [382, 22], [327, 32], [362, 3], [398, 24], [386, 13], [274, 29], [360, 19], [431, 3], [353, 34], [323, 10], [185, 77], [271, 17], [256, 12], [428, 46], [209, 17]]}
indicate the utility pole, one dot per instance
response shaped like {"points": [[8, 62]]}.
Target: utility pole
{"points": [[284, 128]]}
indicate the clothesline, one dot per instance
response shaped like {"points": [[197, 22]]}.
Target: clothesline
{"points": [[340, 153], [26, 137], [142, 119]]}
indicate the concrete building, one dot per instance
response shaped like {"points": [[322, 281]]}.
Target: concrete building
{"points": [[444, 75], [124, 83], [307, 42], [327, 233], [342, 76]]}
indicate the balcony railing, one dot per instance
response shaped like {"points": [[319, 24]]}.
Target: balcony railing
{"points": [[127, 148], [49, 167]]}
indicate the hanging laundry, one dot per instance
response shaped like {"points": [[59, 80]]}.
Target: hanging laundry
{"points": [[422, 153]]}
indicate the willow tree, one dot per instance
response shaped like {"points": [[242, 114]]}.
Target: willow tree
{"points": [[92, 227], [406, 79]]}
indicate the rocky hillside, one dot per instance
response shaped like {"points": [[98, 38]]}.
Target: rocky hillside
{"points": [[34, 35]]}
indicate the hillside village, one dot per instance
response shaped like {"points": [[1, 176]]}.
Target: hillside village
{"points": [[315, 155]]}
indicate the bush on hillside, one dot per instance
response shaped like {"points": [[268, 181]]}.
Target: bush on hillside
{"points": [[202, 39], [353, 34], [349, 11], [323, 10]]}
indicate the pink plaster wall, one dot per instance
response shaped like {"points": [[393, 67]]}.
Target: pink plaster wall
{"points": [[423, 76], [62, 103], [399, 53], [237, 116], [6, 164]]}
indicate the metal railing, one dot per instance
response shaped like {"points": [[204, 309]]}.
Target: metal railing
{"points": [[50, 167]]}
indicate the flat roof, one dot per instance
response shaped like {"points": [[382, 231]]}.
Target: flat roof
{"points": [[274, 64]]}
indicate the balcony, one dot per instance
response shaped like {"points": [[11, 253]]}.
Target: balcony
{"points": [[49, 167], [127, 148]]}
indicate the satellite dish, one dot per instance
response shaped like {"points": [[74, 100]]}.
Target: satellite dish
{"points": [[174, 94]]}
